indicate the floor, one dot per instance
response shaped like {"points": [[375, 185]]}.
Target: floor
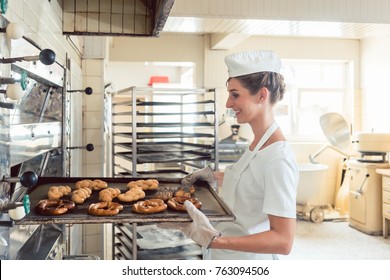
{"points": [[336, 240]]}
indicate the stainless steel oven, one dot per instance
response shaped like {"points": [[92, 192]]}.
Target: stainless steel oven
{"points": [[32, 138]]}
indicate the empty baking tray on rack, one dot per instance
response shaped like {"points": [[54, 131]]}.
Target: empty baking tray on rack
{"points": [[156, 135], [154, 243], [159, 157], [174, 146], [160, 103], [171, 173], [167, 124], [212, 206], [156, 152]]}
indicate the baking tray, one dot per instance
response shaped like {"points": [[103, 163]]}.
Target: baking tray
{"points": [[163, 114], [161, 157], [213, 207], [165, 124], [173, 146], [155, 135], [166, 173]]}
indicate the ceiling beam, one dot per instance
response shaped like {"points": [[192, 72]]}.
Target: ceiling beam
{"points": [[225, 41]]}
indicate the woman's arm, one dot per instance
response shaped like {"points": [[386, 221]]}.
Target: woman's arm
{"points": [[278, 240], [218, 175]]}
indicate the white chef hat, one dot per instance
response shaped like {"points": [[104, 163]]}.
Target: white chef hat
{"points": [[249, 62]]}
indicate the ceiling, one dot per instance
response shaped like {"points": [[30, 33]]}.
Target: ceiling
{"points": [[275, 27], [234, 31]]}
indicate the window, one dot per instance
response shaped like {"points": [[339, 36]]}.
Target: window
{"points": [[313, 89]]}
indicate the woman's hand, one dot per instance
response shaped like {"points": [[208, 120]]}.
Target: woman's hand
{"points": [[204, 174], [200, 230]]}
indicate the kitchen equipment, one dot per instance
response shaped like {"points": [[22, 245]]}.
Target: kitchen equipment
{"points": [[13, 30], [373, 147], [89, 147], [46, 56], [160, 132], [365, 196], [365, 191], [13, 91], [336, 131], [87, 90], [224, 130], [33, 137], [231, 148], [310, 179]]}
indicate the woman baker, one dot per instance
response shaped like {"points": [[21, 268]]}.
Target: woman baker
{"points": [[260, 188]]}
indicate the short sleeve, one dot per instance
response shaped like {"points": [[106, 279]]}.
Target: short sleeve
{"points": [[281, 182]]}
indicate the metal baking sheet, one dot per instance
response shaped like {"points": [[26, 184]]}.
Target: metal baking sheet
{"points": [[166, 173], [156, 157], [213, 207], [149, 147], [164, 124], [155, 135]]}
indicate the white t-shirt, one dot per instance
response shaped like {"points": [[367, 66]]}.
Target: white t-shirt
{"points": [[267, 186]]}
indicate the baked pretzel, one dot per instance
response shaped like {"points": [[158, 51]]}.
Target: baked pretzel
{"points": [[53, 206], [150, 184], [56, 192], [164, 194], [177, 203], [181, 192], [109, 194], [105, 208], [80, 195], [134, 194], [94, 185], [149, 206]]}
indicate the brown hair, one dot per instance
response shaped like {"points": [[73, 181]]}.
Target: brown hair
{"points": [[274, 82]]}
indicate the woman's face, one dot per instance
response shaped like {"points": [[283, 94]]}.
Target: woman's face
{"points": [[244, 105]]}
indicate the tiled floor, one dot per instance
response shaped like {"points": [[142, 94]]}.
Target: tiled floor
{"points": [[336, 240]]}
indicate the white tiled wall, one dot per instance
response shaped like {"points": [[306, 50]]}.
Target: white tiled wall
{"points": [[93, 73], [93, 240]]}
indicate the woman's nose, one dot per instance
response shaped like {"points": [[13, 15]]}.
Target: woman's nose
{"points": [[228, 103]]}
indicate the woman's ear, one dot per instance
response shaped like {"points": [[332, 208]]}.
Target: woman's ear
{"points": [[263, 95]]}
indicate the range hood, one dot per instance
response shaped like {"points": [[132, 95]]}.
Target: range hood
{"points": [[144, 18]]}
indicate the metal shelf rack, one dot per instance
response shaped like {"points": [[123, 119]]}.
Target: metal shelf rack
{"points": [[163, 132]]}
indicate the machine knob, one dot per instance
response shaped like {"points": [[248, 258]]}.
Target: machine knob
{"points": [[14, 31], [47, 56], [14, 91], [89, 147], [87, 90], [28, 179]]}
